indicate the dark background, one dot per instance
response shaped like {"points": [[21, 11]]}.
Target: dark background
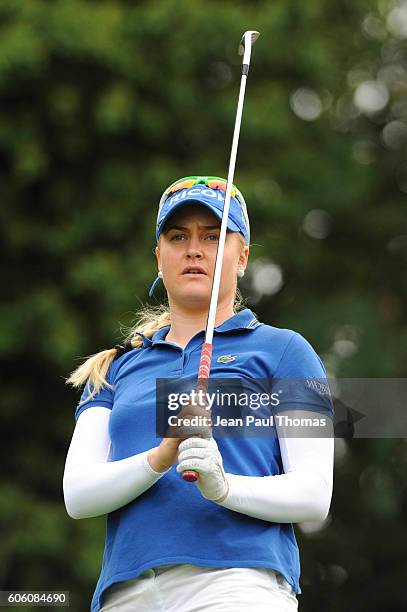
{"points": [[103, 104]]}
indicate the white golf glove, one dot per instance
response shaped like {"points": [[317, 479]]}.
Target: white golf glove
{"points": [[203, 456]]}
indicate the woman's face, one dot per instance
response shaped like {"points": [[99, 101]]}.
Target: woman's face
{"points": [[189, 240]]}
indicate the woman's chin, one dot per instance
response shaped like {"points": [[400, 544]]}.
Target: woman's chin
{"points": [[193, 297]]}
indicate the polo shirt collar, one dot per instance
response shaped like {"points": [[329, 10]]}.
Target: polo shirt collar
{"points": [[243, 320]]}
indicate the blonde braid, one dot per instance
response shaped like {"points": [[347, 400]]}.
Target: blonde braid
{"points": [[149, 320]]}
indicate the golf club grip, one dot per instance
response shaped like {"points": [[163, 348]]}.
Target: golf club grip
{"points": [[204, 365], [203, 375]]}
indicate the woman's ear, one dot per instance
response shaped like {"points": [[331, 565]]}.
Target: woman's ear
{"points": [[157, 254], [243, 257]]}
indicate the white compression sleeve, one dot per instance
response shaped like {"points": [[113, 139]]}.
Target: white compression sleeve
{"points": [[92, 484], [302, 493]]}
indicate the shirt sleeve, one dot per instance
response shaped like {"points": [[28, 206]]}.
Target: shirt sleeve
{"points": [[94, 485], [302, 493], [301, 380], [104, 397]]}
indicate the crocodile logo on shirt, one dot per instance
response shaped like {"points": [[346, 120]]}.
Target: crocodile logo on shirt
{"points": [[226, 358]]}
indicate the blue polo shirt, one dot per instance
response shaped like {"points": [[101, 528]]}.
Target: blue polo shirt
{"points": [[171, 522]]}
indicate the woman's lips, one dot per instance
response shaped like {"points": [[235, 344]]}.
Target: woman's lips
{"points": [[194, 274], [194, 270]]}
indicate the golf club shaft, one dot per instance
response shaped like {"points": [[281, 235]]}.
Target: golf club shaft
{"points": [[206, 352]]}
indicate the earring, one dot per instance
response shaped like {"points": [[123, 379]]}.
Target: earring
{"points": [[160, 274], [240, 273]]}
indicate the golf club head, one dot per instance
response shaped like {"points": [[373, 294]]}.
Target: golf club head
{"points": [[253, 37]]}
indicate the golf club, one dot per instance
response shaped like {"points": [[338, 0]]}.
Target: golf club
{"points": [[245, 47]]}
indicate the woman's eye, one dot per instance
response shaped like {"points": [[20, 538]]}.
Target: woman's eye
{"points": [[209, 237]]}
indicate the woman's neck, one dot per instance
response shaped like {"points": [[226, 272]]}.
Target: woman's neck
{"points": [[185, 324]]}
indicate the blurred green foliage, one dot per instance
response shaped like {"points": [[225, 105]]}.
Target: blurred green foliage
{"points": [[105, 103]]}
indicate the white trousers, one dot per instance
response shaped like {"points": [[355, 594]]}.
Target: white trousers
{"points": [[189, 588]]}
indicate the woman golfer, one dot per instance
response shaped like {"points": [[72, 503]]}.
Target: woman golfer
{"points": [[226, 541]]}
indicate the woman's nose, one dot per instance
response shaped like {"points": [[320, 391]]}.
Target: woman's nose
{"points": [[194, 246]]}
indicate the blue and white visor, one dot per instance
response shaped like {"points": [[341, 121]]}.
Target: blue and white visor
{"points": [[213, 199]]}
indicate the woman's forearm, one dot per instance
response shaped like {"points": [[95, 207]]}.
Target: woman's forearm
{"points": [[299, 496], [93, 485], [96, 488], [302, 493]]}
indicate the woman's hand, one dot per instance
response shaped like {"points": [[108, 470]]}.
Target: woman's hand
{"points": [[162, 457], [203, 456]]}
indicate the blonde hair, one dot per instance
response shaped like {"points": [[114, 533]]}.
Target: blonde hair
{"points": [[148, 321]]}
